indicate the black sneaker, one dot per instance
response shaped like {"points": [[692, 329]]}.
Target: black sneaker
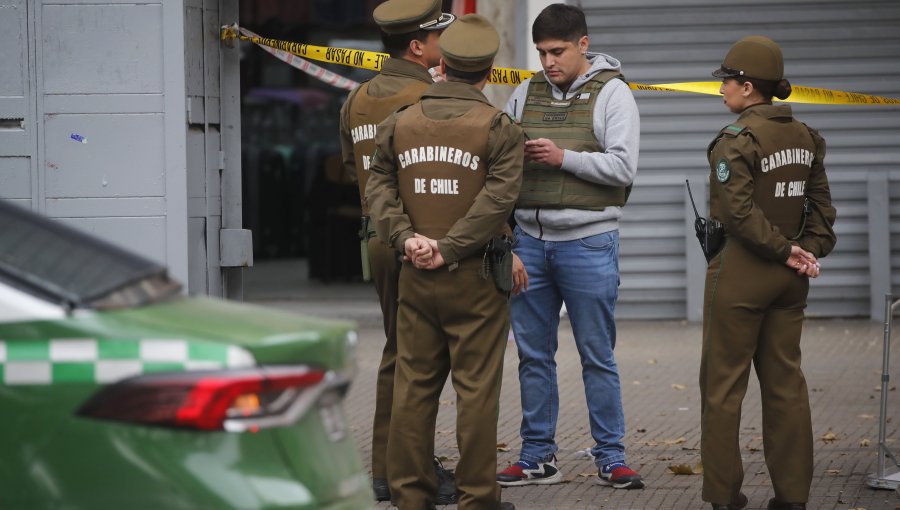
{"points": [[446, 485], [381, 489], [506, 505]]}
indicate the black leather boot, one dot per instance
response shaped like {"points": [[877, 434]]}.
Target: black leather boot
{"points": [[739, 503], [774, 504], [380, 487]]}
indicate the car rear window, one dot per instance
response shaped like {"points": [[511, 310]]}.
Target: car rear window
{"points": [[61, 264]]}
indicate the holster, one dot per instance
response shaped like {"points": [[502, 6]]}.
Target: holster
{"points": [[366, 232], [498, 262], [711, 235]]}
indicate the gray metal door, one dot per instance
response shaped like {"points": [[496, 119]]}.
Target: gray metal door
{"points": [[17, 126], [110, 120], [218, 247]]}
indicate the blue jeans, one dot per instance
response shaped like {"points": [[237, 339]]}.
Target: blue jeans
{"points": [[583, 273]]}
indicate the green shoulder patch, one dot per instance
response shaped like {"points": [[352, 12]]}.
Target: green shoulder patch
{"points": [[723, 170], [732, 130]]}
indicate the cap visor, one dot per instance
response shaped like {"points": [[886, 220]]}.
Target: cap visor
{"points": [[725, 73], [440, 23]]}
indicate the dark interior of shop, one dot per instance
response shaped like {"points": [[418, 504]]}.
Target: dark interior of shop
{"points": [[295, 200]]}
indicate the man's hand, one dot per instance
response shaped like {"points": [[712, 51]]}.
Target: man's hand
{"points": [[418, 250], [803, 262], [519, 275], [434, 259], [544, 151]]}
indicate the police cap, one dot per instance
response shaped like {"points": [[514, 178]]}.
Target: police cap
{"points": [[470, 44], [755, 56], [405, 16]]}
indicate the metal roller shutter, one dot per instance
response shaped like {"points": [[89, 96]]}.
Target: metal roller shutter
{"points": [[831, 44]]}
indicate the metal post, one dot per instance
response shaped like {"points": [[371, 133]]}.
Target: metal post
{"points": [[879, 480]]}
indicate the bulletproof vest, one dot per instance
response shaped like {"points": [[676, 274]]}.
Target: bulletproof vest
{"points": [[366, 112], [570, 124], [786, 152], [441, 165]]}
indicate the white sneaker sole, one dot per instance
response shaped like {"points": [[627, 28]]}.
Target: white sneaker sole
{"points": [[550, 480]]}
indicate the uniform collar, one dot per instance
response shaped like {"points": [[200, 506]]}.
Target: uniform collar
{"points": [[455, 90], [767, 111], [406, 69]]}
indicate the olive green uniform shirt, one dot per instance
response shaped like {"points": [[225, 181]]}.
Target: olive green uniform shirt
{"points": [[732, 193], [395, 75], [492, 205]]}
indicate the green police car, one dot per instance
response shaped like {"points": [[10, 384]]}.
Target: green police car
{"points": [[117, 391]]}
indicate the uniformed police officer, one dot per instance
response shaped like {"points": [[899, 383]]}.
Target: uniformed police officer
{"points": [[764, 168], [410, 31], [445, 176]]}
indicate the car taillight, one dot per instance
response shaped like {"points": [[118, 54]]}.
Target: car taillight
{"points": [[237, 400]]}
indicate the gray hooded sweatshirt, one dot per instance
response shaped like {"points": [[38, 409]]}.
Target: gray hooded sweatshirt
{"points": [[617, 128]]}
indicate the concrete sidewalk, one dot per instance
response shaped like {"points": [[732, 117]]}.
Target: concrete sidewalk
{"points": [[658, 363]]}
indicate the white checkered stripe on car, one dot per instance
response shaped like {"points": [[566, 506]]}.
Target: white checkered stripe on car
{"points": [[61, 361]]}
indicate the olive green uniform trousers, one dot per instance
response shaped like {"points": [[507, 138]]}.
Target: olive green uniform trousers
{"points": [[753, 312], [386, 275], [456, 323]]}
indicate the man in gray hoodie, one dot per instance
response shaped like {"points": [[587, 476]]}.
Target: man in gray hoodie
{"points": [[582, 134]]}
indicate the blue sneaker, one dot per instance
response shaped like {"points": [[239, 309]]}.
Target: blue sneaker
{"points": [[620, 476], [530, 473]]}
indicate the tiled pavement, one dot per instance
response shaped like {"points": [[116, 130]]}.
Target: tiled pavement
{"points": [[658, 362]]}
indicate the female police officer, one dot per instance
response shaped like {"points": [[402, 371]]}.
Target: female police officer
{"points": [[769, 190]]}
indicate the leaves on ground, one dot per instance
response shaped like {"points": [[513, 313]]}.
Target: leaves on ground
{"points": [[678, 387], [502, 447], [829, 437], [686, 469]]}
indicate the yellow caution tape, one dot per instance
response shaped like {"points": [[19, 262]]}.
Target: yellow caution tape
{"points": [[799, 94], [373, 61], [229, 33]]}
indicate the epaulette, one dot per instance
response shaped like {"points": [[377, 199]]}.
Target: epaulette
{"points": [[732, 130], [729, 131]]}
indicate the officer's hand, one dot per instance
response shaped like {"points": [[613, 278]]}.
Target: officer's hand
{"points": [[544, 151], [434, 259], [813, 270], [417, 250], [519, 275], [803, 262]]}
